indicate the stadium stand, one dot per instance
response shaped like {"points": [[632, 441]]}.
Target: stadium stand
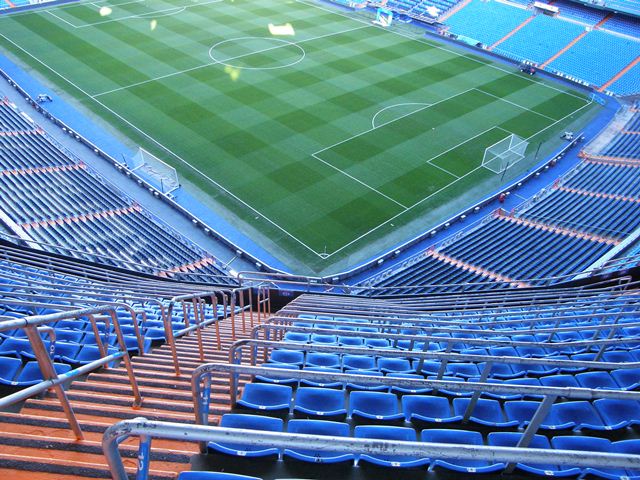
{"points": [[627, 6], [505, 355], [93, 311], [565, 228], [623, 24], [584, 59], [533, 42], [628, 84], [486, 22], [571, 44], [572, 334], [580, 13], [55, 200]]}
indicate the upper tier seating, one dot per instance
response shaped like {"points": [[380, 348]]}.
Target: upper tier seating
{"points": [[486, 22]]}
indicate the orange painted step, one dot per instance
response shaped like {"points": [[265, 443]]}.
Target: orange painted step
{"points": [[80, 469], [72, 451], [83, 410], [92, 432]]}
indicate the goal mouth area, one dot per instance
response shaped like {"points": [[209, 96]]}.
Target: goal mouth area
{"points": [[505, 153], [160, 174]]}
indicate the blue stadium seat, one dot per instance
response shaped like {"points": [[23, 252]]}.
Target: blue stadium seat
{"points": [[395, 365], [266, 397], [383, 432], [521, 410], [460, 437], [589, 444], [292, 357], [628, 447], [627, 378], [374, 407], [252, 422], [30, 374], [597, 380], [320, 359], [577, 415], [618, 413], [318, 427], [486, 412], [296, 337], [320, 402], [358, 362], [427, 410], [9, 366], [511, 439]]}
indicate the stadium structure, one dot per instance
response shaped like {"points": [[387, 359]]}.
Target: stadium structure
{"points": [[319, 239]]}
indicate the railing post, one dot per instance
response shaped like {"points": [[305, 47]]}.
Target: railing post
{"points": [[137, 398], [534, 425], [49, 373], [195, 301], [167, 315]]}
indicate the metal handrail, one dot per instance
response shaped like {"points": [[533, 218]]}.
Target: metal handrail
{"points": [[448, 340], [235, 354], [202, 378], [146, 430], [49, 374]]}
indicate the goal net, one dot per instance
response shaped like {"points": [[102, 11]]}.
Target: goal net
{"points": [[162, 175], [505, 153]]}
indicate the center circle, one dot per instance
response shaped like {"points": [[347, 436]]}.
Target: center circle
{"points": [[257, 53]]}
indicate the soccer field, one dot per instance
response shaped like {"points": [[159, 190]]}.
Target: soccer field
{"points": [[327, 134]]}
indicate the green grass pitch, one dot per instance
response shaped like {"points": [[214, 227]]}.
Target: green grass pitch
{"points": [[329, 143]]}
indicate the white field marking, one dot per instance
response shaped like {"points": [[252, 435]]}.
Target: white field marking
{"points": [[373, 120], [443, 169], [167, 13], [161, 77], [363, 25], [173, 154], [61, 19], [445, 187], [440, 47], [359, 181], [463, 142], [145, 15], [65, 6], [283, 43], [516, 104], [389, 122]]}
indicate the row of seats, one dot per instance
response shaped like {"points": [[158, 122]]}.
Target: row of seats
{"points": [[439, 436], [362, 406]]}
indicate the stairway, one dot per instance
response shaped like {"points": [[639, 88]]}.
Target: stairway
{"points": [[37, 444]]}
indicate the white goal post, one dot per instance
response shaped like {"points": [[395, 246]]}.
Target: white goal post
{"points": [[505, 153], [159, 173]]}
